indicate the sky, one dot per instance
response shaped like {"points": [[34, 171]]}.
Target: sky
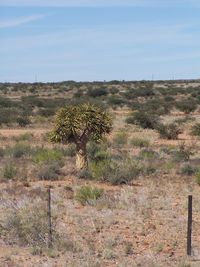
{"points": [[97, 40]]}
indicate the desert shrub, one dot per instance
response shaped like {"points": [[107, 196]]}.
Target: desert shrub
{"points": [[186, 119], [24, 137], [23, 121], [169, 131], [124, 173], [148, 154], [139, 142], [145, 120], [120, 138], [115, 173], [155, 106], [70, 151], [148, 169], [187, 105], [88, 195], [144, 91], [96, 92], [2, 152], [8, 115], [97, 152], [187, 169], [195, 130], [43, 155], [46, 112], [85, 174], [101, 169], [9, 171], [130, 120], [21, 150], [198, 177], [183, 153], [49, 171], [115, 100], [28, 226]]}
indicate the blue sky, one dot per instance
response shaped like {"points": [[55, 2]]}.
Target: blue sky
{"points": [[87, 40]]}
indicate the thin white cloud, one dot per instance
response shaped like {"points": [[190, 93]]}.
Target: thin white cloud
{"points": [[90, 3], [19, 21]]}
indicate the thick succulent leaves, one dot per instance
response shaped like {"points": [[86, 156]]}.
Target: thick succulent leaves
{"points": [[80, 123]]}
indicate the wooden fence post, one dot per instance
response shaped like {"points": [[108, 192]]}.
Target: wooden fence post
{"points": [[189, 229], [49, 219]]}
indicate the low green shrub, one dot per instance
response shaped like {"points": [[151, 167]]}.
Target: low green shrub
{"points": [[198, 177], [24, 137], [187, 105], [120, 138], [21, 149], [144, 119], [148, 154], [43, 155], [23, 121], [88, 195], [49, 171], [169, 131], [85, 174], [114, 172], [188, 170], [97, 152], [70, 151], [124, 173], [28, 226], [183, 153], [140, 142], [195, 130], [9, 171], [2, 152]]}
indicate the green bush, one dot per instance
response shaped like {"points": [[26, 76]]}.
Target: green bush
{"points": [[43, 155], [183, 153], [9, 171], [139, 142], [70, 151], [188, 170], [148, 154], [21, 150], [169, 131], [49, 171], [97, 152], [88, 195], [145, 120], [2, 152], [198, 177], [24, 137], [120, 138], [195, 130], [115, 173], [85, 174], [187, 105], [23, 121], [97, 92], [28, 226]]}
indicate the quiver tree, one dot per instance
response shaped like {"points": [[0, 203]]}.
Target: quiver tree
{"points": [[79, 124]]}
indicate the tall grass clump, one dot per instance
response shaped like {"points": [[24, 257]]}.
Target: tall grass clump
{"points": [[195, 130], [88, 195], [120, 138], [169, 131], [139, 142], [44, 155], [9, 171]]}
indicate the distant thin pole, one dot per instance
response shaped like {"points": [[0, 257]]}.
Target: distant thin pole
{"points": [[49, 219], [189, 230]]}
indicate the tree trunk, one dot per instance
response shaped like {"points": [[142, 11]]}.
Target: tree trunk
{"points": [[81, 157]]}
